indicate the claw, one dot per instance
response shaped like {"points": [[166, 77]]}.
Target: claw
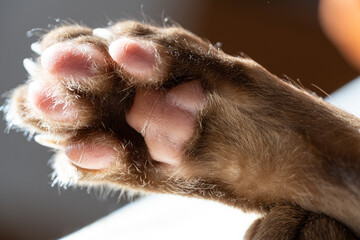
{"points": [[103, 33], [50, 141], [36, 47], [30, 66]]}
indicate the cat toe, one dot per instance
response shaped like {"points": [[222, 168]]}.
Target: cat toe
{"points": [[46, 102], [91, 156], [72, 60], [141, 60]]}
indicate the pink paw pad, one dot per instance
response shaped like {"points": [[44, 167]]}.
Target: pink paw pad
{"points": [[167, 120], [136, 58], [91, 156], [67, 59], [44, 100]]}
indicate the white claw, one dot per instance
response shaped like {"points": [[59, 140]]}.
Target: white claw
{"points": [[30, 66], [49, 141], [103, 33], [36, 47]]}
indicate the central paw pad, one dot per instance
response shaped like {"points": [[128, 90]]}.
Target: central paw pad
{"points": [[167, 119]]}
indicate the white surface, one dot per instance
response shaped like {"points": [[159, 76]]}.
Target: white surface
{"points": [[347, 97], [161, 217], [165, 217]]}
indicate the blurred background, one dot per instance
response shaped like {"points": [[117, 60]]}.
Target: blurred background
{"points": [[282, 35]]}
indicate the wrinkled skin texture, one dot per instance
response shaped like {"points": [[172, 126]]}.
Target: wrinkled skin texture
{"points": [[161, 110]]}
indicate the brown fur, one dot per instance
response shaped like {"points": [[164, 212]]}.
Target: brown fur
{"points": [[262, 144]]}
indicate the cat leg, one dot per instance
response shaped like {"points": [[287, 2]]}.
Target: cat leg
{"points": [[293, 223]]}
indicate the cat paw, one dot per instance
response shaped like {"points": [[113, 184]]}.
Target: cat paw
{"points": [[154, 109], [161, 110], [113, 102]]}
